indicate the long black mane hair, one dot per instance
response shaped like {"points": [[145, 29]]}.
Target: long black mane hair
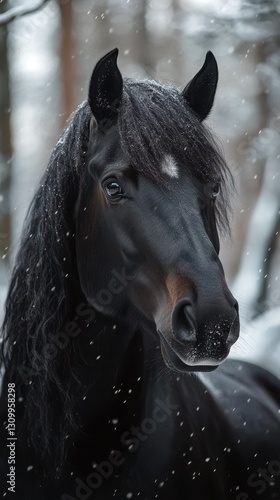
{"points": [[41, 295], [44, 288]]}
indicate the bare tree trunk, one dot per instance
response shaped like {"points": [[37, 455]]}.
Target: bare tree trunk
{"points": [[139, 41], [251, 282], [67, 60], [5, 140]]}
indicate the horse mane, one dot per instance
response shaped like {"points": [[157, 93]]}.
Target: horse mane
{"points": [[44, 282], [41, 295]]}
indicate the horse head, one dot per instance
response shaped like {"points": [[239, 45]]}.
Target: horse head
{"points": [[148, 211]]}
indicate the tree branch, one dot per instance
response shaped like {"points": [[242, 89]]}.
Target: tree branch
{"points": [[20, 11]]}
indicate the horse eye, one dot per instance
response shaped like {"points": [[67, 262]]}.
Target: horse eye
{"points": [[215, 190], [113, 189]]}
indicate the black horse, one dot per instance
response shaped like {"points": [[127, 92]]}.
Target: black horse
{"points": [[118, 310]]}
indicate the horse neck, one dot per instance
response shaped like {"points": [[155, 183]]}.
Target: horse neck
{"points": [[127, 381], [110, 356], [121, 363]]}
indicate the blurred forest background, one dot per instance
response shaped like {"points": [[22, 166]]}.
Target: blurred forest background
{"points": [[46, 59]]}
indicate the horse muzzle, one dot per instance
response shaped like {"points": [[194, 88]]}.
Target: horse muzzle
{"points": [[195, 343]]}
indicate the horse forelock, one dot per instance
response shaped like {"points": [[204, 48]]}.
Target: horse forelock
{"points": [[155, 123]]}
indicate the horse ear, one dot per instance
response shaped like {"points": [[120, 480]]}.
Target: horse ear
{"points": [[105, 89], [200, 91]]}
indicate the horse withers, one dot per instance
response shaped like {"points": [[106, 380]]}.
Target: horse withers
{"points": [[118, 310]]}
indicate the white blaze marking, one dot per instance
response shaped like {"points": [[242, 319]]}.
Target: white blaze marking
{"points": [[169, 166]]}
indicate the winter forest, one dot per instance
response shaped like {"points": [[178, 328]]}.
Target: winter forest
{"points": [[122, 371], [47, 52]]}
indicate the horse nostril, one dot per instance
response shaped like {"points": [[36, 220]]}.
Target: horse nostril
{"points": [[188, 309], [183, 322]]}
